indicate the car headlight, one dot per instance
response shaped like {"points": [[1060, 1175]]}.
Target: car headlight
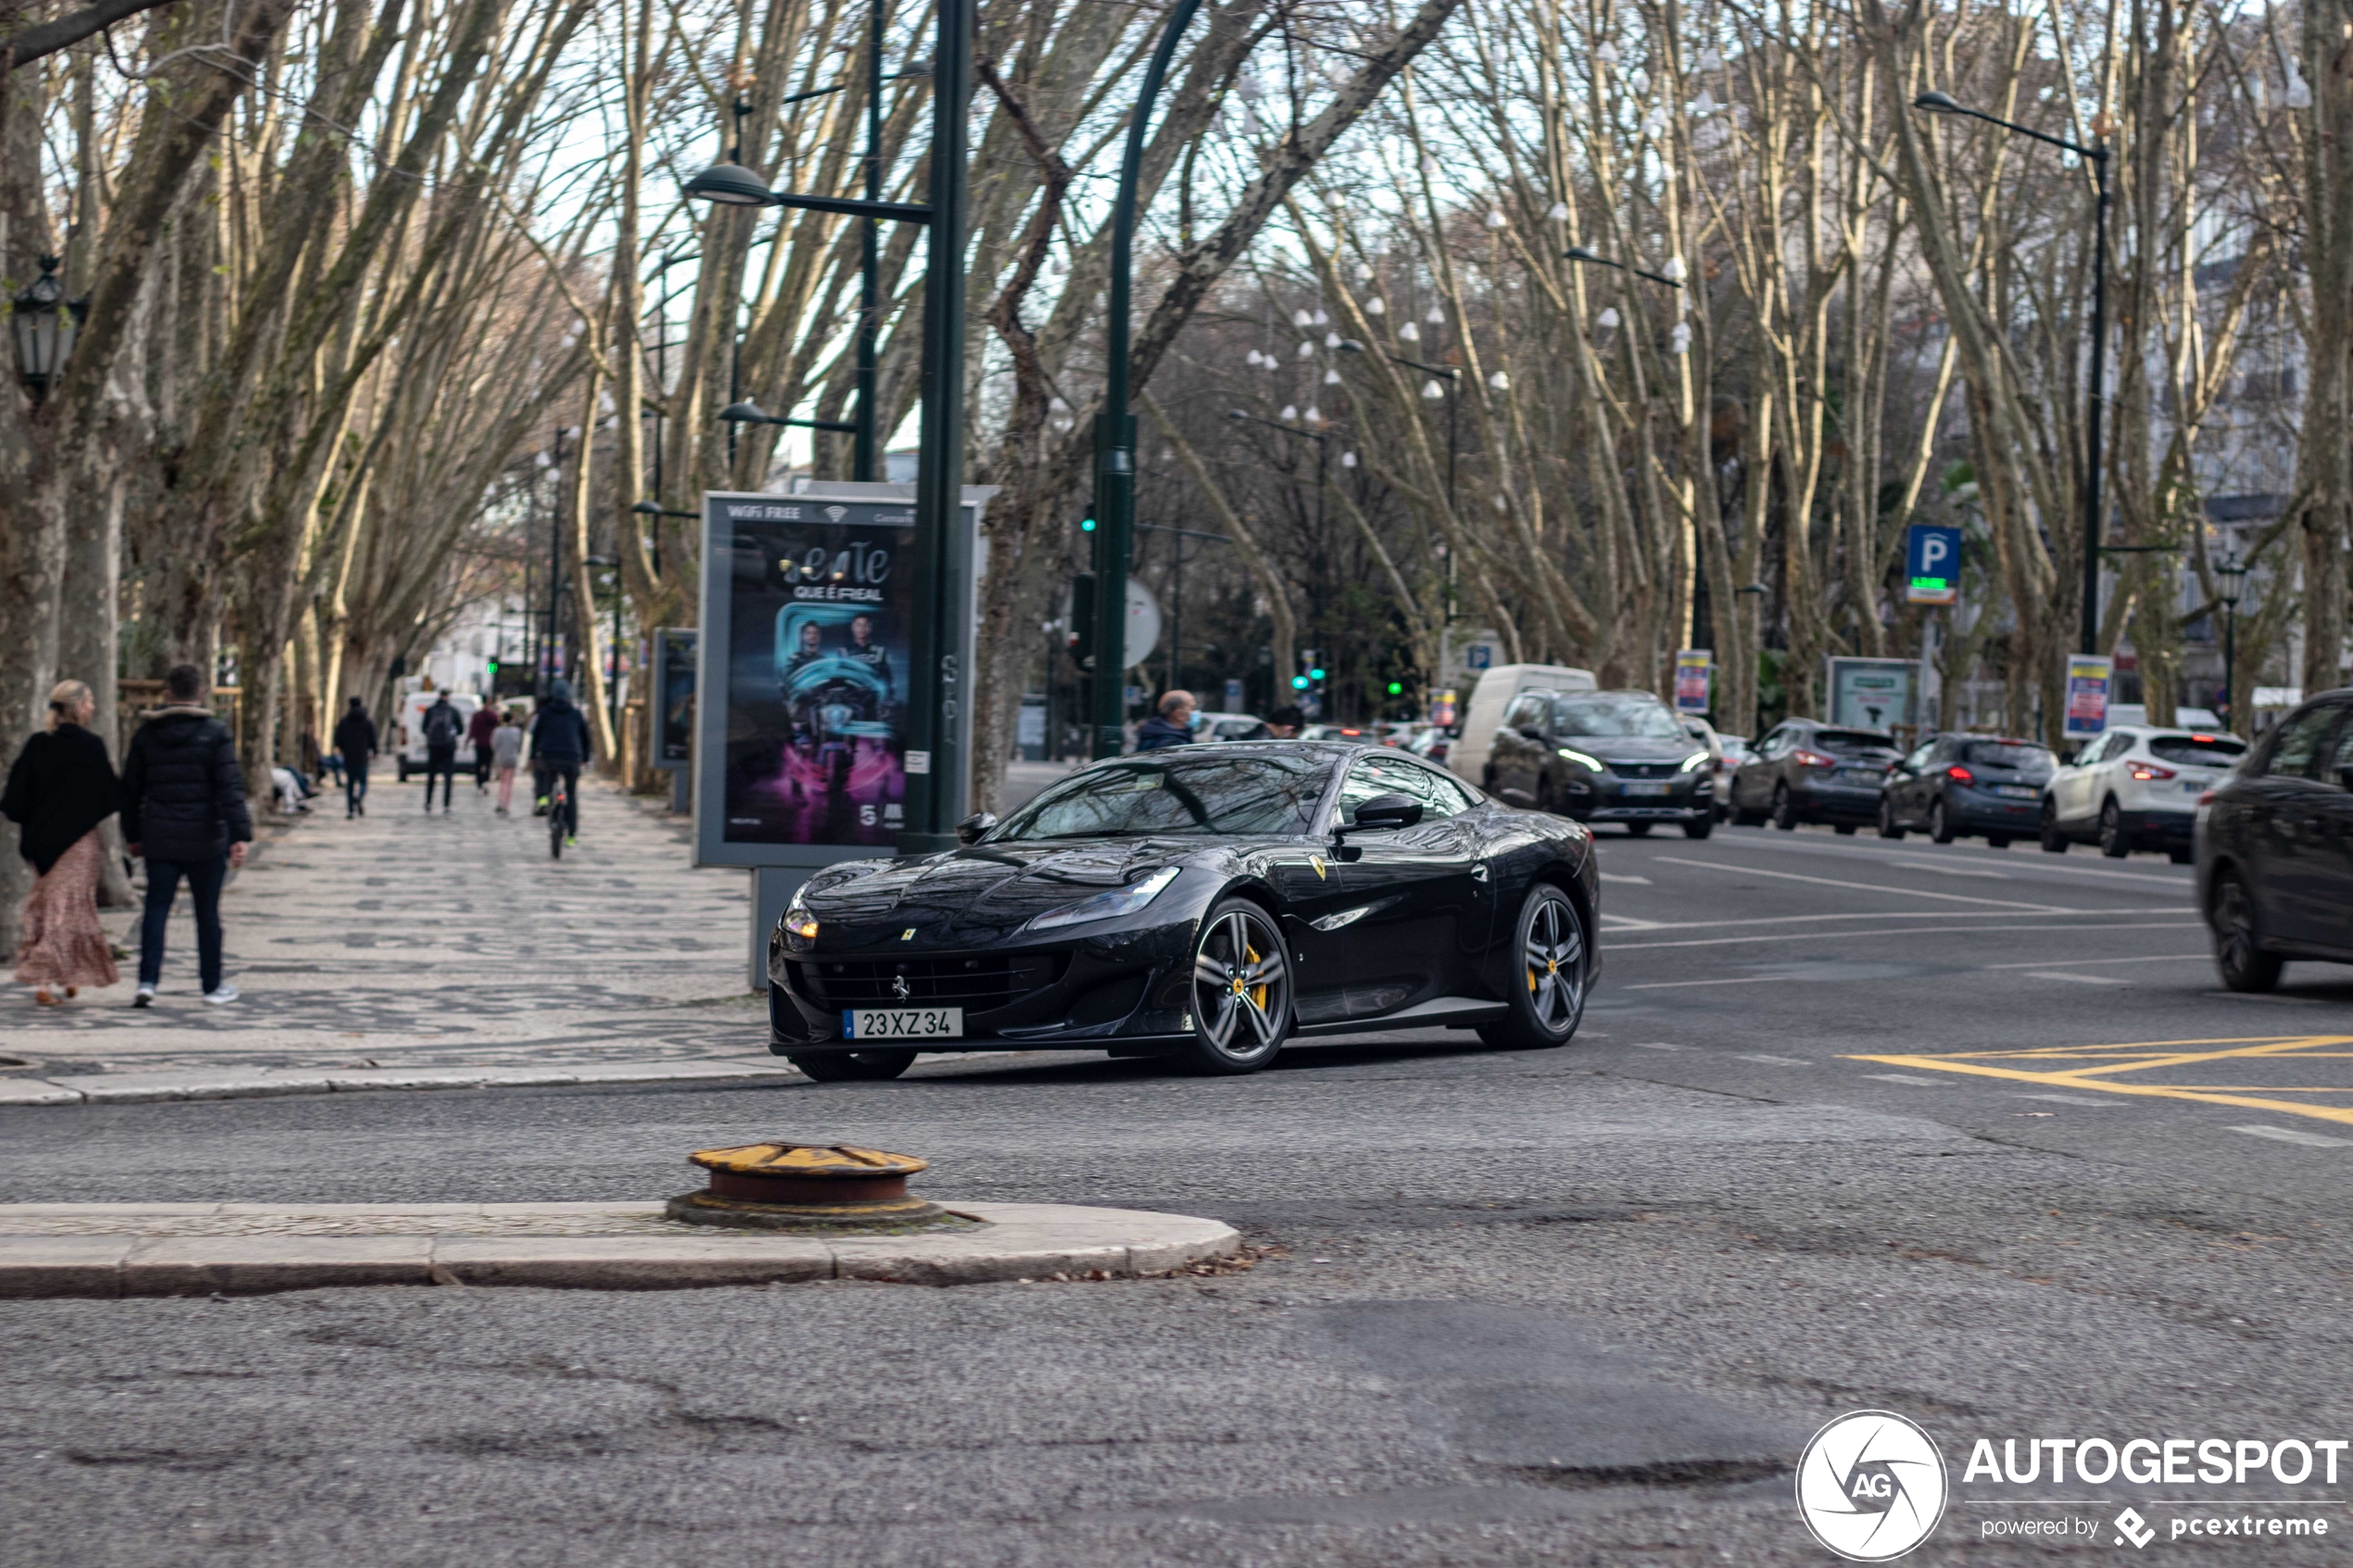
{"points": [[799, 920], [1107, 906], [1582, 759], [1696, 760]]}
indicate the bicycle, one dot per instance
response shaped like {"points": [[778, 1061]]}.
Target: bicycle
{"points": [[559, 814]]}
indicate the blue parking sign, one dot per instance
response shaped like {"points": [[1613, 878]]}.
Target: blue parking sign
{"points": [[1932, 565]]}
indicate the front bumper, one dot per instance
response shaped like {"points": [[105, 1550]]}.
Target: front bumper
{"points": [[1131, 986], [1606, 797]]}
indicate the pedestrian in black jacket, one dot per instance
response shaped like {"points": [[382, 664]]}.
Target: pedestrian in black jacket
{"points": [[183, 809], [559, 745], [355, 738], [444, 727]]}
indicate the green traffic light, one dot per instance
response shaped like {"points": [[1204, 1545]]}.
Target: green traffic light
{"points": [[1087, 526], [1299, 683], [1396, 688], [1315, 674]]}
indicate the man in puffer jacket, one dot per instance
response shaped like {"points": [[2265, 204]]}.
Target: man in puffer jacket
{"points": [[183, 810]]}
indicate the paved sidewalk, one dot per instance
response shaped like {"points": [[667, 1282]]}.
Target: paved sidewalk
{"points": [[407, 949]]}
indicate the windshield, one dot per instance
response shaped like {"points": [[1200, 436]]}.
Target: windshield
{"points": [[1646, 718], [1182, 795], [1854, 743], [2198, 751], [2033, 760]]}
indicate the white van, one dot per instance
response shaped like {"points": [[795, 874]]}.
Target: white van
{"points": [[1467, 756], [408, 735]]}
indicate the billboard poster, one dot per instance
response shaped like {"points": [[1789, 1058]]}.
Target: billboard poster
{"points": [[2090, 677], [819, 596], [674, 693], [1872, 693], [1694, 679]]}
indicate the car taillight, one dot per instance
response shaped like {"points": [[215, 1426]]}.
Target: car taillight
{"points": [[2206, 797], [1813, 759], [2148, 771], [1959, 775]]}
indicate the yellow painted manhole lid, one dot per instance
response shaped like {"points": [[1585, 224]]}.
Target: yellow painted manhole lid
{"points": [[809, 1161]]}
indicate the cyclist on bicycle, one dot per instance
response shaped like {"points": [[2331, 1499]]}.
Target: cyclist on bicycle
{"points": [[559, 745]]}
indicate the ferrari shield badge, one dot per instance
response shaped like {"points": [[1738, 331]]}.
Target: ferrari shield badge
{"points": [[1316, 862]]}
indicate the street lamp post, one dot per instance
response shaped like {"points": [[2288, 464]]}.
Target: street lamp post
{"points": [[544, 669], [1115, 427], [2096, 400], [2232, 577]]}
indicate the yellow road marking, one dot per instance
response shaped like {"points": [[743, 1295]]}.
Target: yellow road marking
{"points": [[2153, 1054]]}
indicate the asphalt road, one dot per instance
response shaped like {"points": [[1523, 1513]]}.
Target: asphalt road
{"points": [[1575, 1307]]}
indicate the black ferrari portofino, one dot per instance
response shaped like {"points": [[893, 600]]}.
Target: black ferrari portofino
{"points": [[1207, 903]]}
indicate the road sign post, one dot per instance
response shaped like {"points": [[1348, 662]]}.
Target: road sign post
{"points": [[1932, 565]]}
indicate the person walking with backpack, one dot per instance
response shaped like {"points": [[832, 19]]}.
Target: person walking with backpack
{"points": [[61, 787], [444, 726], [479, 729], [559, 745], [356, 740], [184, 811]]}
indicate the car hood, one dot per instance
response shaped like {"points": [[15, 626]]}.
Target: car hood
{"points": [[1634, 749], [976, 893]]}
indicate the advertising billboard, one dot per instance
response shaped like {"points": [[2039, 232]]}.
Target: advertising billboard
{"points": [[1694, 679], [674, 695], [803, 679], [2090, 678], [1872, 693]]}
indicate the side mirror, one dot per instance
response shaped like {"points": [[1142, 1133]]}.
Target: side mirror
{"points": [[1389, 811], [970, 830]]}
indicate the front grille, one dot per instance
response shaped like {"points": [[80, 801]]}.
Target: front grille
{"points": [[978, 983], [1646, 769]]}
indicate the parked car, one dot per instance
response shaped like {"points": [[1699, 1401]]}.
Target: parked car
{"points": [[1603, 757], [1360, 734], [1228, 726], [2274, 843], [2122, 713], [1812, 771], [1735, 752], [2134, 787], [1431, 743], [1958, 786], [1496, 691], [1206, 903]]}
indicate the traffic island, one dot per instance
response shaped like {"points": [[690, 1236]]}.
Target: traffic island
{"points": [[118, 1249]]}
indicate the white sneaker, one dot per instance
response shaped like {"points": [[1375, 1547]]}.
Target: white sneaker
{"points": [[227, 993], [142, 997]]}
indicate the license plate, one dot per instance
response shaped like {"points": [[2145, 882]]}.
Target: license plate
{"points": [[1858, 776], [2197, 786], [2018, 792], [1645, 789], [903, 1023]]}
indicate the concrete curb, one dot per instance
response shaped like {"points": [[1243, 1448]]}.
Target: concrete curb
{"points": [[121, 1249], [231, 1083]]}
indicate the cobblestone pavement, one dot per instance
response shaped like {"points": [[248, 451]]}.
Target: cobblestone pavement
{"points": [[407, 939]]}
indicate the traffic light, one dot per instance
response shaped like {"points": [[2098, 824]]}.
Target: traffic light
{"points": [[1315, 674], [1086, 525], [1397, 688], [1299, 683]]}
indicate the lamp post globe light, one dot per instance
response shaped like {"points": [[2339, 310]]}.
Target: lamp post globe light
{"points": [[45, 323]]}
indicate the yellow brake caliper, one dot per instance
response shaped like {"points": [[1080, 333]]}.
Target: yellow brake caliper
{"points": [[1257, 993]]}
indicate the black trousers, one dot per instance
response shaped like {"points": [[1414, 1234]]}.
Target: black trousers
{"points": [[355, 784], [441, 760], [204, 878], [481, 764], [545, 773]]}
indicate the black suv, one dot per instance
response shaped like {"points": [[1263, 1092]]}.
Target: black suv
{"points": [[1812, 771], [1603, 757], [2275, 848]]}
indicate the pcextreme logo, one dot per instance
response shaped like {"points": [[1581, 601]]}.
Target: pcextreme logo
{"points": [[1871, 1485]]}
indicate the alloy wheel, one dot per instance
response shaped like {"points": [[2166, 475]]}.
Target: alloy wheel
{"points": [[1552, 961], [2238, 951], [1241, 989]]}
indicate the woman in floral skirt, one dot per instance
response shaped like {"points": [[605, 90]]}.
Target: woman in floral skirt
{"points": [[60, 788]]}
